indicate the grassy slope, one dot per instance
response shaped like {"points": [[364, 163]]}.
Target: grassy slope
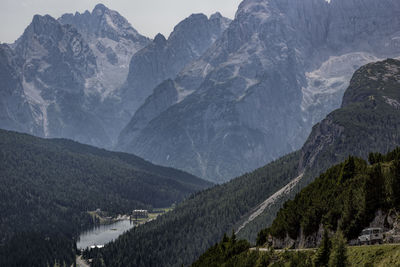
{"points": [[228, 253], [378, 255]]}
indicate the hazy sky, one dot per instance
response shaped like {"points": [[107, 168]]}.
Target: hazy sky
{"points": [[149, 17]]}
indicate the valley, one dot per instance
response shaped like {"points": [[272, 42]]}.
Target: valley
{"points": [[269, 138]]}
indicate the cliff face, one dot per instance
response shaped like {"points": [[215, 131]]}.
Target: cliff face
{"points": [[53, 63], [14, 108], [280, 67]]}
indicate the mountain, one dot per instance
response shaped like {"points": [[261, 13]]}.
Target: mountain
{"points": [[164, 59], [113, 41], [68, 71], [53, 62], [49, 185], [368, 121], [74, 78], [278, 69], [46, 73]]}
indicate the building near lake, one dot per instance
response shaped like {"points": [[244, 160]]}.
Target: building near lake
{"points": [[140, 214]]}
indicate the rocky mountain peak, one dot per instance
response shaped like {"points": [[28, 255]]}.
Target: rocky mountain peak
{"points": [[216, 15], [160, 40], [45, 25], [100, 8], [47, 40], [103, 22]]}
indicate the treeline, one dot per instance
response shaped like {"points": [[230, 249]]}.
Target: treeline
{"points": [[345, 198], [47, 186], [232, 252], [37, 250]]}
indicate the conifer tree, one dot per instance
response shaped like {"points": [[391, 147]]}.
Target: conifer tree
{"points": [[321, 258], [338, 256]]}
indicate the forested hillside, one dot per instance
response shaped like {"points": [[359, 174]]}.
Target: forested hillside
{"points": [[346, 197], [47, 186], [343, 200]]}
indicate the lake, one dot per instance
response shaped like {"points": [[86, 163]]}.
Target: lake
{"points": [[103, 234]]}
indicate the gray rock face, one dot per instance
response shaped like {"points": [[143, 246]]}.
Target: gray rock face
{"points": [[60, 76], [15, 112], [113, 41], [163, 96], [66, 77], [254, 95], [54, 63], [66, 74], [164, 59]]}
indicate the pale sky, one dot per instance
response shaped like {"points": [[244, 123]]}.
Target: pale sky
{"points": [[149, 17]]}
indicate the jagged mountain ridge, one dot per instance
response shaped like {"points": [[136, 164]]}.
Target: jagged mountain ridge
{"points": [[53, 62], [254, 95]]}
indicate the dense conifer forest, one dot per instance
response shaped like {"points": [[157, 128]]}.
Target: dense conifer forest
{"points": [[344, 198]]}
